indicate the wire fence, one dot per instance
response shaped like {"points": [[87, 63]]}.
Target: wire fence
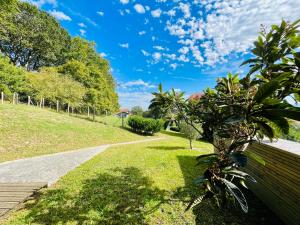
{"points": [[85, 112]]}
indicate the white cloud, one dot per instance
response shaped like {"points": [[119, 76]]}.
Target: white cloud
{"points": [[145, 53], [124, 1], [173, 66], [100, 13], [142, 32], [156, 13], [103, 55], [224, 27], [124, 45], [40, 3], [160, 48], [82, 25], [60, 15], [171, 13], [185, 8], [139, 8], [136, 83], [184, 50], [82, 32], [130, 99], [156, 56]]}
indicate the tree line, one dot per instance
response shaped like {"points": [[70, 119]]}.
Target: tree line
{"points": [[38, 57]]}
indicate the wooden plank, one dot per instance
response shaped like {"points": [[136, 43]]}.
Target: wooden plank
{"points": [[16, 193], [16, 189], [278, 181], [3, 211], [284, 179], [12, 198], [33, 185], [8, 205]]}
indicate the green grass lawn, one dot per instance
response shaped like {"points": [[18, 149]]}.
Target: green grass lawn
{"points": [[145, 183], [29, 131]]}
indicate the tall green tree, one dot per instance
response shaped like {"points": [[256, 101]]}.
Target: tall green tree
{"points": [[32, 38]]}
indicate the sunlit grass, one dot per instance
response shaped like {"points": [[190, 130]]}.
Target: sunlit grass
{"points": [[29, 131]]}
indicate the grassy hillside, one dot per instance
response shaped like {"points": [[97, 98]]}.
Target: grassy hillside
{"points": [[29, 131]]}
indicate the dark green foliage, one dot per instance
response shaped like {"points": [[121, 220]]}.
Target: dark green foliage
{"points": [[144, 125], [32, 38]]}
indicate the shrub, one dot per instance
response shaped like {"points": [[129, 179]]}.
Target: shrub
{"points": [[189, 132], [144, 125]]}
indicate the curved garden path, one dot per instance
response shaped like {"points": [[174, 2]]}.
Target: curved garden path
{"points": [[49, 168]]}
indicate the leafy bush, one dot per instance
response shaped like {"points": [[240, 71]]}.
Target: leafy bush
{"points": [[189, 132], [144, 125]]}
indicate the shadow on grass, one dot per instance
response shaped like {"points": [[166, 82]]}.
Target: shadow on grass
{"points": [[123, 196], [169, 148], [208, 213]]}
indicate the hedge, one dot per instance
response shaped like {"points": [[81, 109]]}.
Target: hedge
{"points": [[143, 125]]}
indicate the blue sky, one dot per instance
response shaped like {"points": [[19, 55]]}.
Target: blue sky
{"points": [[183, 44]]}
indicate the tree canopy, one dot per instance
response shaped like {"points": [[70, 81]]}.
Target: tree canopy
{"points": [[33, 39]]}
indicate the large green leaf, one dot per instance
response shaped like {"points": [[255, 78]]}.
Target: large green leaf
{"points": [[237, 194], [293, 113], [266, 129], [266, 90]]}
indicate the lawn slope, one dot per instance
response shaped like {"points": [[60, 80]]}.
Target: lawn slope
{"points": [[29, 131], [145, 183]]}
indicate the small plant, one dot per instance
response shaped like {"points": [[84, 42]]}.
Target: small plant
{"points": [[189, 132], [144, 125]]}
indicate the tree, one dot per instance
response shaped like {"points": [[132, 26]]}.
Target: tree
{"points": [[158, 105], [54, 87], [137, 110], [240, 111], [32, 38], [88, 68], [12, 79], [189, 132]]}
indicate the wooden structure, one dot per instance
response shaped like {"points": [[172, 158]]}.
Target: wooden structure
{"points": [[278, 181], [13, 194]]}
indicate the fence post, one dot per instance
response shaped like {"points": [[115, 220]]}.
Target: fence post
{"points": [[13, 100], [72, 110], [43, 103], [2, 97], [88, 111], [57, 105], [68, 109], [28, 100]]}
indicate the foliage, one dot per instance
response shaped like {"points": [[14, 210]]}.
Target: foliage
{"points": [[12, 79], [92, 71], [294, 132], [144, 125], [137, 110], [54, 87], [240, 111], [32, 38], [189, 132]]}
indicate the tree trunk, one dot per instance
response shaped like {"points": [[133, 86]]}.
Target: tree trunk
{"points": [[191, 146]]}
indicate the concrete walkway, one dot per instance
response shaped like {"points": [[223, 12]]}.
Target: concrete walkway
{"points": [[49, 168]]}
